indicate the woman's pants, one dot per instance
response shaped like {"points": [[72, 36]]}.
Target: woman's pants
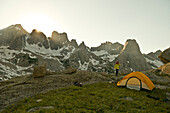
{"points": [[117, 71]]}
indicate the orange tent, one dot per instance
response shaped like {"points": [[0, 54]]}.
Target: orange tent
{"points": [[136, 80]]}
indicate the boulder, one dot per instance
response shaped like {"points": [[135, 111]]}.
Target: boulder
{"points": [[165, 55], [164, 69], [69, 70], [39, 71]]}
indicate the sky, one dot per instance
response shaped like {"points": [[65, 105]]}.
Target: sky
{"points": [[94, 21]]}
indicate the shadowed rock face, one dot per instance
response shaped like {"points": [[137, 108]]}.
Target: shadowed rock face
{"points": [[154, 55], [109, 47], [74, 43], [37, 37], [131, 58], [11, 34], [165, 56], [82, 58], [83, 46]]}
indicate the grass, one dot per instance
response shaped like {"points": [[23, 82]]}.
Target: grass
{"points": [[94, 98], [162, 75]]}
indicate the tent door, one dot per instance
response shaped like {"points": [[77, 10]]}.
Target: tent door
{"points": [[133, 83]]}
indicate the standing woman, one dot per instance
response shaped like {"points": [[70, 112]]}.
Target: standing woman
{"points": [[117, 67]]}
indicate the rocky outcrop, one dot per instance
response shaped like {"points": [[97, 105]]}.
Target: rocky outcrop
{"points": [[19, 88], [82, 46], [154, 55], [131, 58], [164, 69], [23, 60], [69, 70], [58, 40], [74, 43], [39, 71], [109, 47], [39, 38], [82, 58], [165, 56], [153, 59], [11, 34], [52, 64]]}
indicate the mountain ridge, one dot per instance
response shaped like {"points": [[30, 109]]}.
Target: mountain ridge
{"points": [[58, 52]]}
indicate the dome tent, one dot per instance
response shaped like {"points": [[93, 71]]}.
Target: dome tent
{"points": [[136, 80]]}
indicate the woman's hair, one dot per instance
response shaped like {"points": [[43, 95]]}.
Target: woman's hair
{"points": [[117, 62]]}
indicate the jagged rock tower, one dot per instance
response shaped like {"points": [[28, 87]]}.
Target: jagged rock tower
{"points": [[131, 58]]}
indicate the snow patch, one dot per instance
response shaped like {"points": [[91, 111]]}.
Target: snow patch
{"points": [[94, 62], [42, 51], [83, 66], [109, 57], [99, 53], [17, 28], [69, 53], [156, 62], [131, 69], [7, 53], [105, 55]]}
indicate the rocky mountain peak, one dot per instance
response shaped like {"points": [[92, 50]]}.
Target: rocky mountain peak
{"points": [[131, 47], [74, 43], [82, 45], [155, 54], [13, 36], [58, 40], [158, 52], [59, 37], [18, 25], [109, 47], [38, 37], [17, 28], [131, 58]]}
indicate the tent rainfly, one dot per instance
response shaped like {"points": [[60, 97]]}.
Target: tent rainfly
{"points": [[136, 80]]}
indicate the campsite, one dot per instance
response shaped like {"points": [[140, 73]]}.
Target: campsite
{"points": [[136, 80], [97, 94], [85, 56]]}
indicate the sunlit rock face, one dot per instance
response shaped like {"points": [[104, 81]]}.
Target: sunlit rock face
{"points": [[39, 38], [165, 56], [164, 69], [13, 36], [57, 40], [131, 58]]}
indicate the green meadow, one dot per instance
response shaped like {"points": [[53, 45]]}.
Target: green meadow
{"points": [[100, 97]]}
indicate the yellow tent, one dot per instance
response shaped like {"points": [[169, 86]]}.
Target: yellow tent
{"points": [[136, 80]]}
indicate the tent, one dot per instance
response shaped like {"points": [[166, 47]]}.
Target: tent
{"points": [[136, 80]]}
